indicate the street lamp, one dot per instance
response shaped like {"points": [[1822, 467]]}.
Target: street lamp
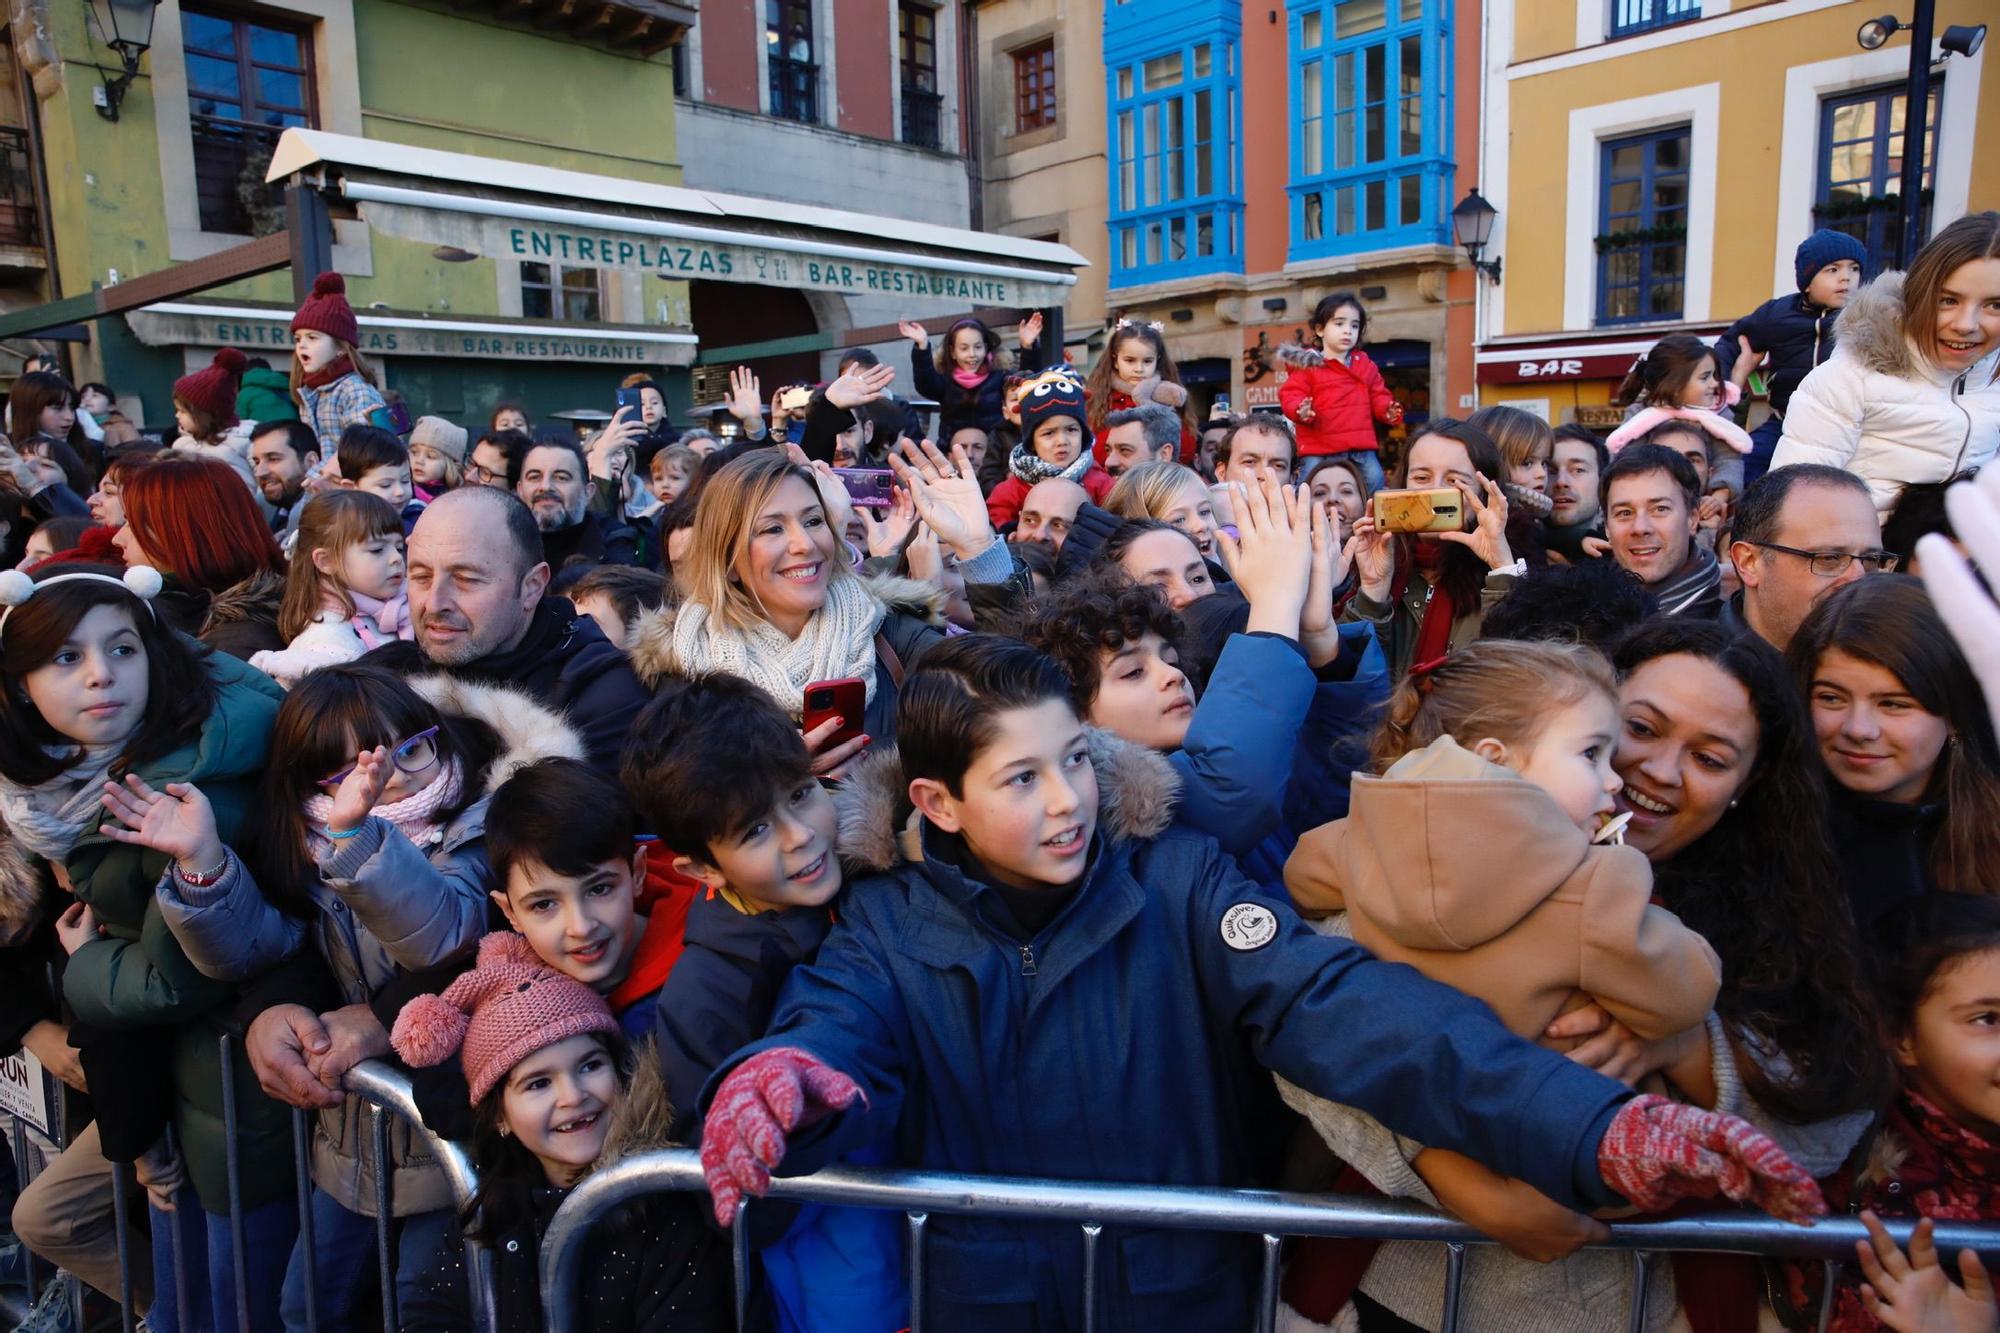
{"points": [[1471, 227], [127, 28], [1959, 39]]}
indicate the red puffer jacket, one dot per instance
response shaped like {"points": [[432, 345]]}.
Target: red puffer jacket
{"points": [[1347, 400]]}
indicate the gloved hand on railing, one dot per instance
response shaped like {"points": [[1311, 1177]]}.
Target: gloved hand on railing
{"points": [[1657, 1151], [765, 1098]]}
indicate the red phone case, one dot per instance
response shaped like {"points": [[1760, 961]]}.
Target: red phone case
{"points": [[849, 701]]}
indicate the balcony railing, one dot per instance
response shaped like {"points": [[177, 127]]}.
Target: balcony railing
{"points": [[795, 90], [1635, 16], [923, 118], [19, 224]]}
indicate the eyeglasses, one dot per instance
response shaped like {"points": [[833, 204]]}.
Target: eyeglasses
{"points": [[481, 475], [1832, 564], [413, 754]]}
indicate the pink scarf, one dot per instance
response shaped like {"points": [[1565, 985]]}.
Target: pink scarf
{"points": [[377, 621], [968, 379]]}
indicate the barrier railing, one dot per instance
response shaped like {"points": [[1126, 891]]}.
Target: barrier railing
{"points": [[1095, 1205], [386, 1093]]}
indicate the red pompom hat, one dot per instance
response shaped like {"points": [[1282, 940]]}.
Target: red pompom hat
{"points": [[213, 390], [327, 311]]}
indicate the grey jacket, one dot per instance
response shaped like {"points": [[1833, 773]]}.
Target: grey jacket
{"points": [[384, 906]]}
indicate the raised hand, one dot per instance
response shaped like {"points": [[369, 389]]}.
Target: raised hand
{"points": [[861, 384], [1271, 555], [746, 395], [767, 1097], [626, 428], [891, 534], [1916, 1295], [177, 822], [1029, 331], [1317, 631], [1488, 539], [833, 493], [1657, 1151], [360, 790], [914, 331], [946, 495]]}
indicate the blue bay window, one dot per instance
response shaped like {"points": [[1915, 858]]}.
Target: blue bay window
{"points": [[1176, 173], [1371, 110]]}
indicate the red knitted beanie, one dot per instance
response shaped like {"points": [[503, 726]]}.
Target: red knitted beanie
{"points": [[510, 1005], [327, 310], [213, 390]]}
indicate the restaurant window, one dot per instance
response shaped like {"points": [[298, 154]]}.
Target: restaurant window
{"points": [[248, 80], [550, 291]]}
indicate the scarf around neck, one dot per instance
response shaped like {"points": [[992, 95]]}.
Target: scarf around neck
{"points": [[327, 374], [415, 816], [1695, 588], [1029, 467], [1434, 632], [968, 379], [838, 643], [49, 819], [378, 621]]}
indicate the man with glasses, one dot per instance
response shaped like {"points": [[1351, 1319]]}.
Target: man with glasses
{"points": [[1801, 532]]}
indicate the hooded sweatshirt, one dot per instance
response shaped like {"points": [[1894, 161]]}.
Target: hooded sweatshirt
{"points": [[1475, 877]]}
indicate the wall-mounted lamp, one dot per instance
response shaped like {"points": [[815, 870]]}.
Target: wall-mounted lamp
{"points": [[1471, 227], [127, 28]]}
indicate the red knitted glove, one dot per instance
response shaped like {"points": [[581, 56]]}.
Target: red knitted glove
{"points": [[1657, 1151], [765, 1098]]}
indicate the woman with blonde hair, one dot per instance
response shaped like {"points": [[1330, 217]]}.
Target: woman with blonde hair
{"points": [[1170, 493], [768, 592]]}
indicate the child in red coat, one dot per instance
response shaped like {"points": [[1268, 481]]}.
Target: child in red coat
{"points": [[1052, 445], [1336, 395]]}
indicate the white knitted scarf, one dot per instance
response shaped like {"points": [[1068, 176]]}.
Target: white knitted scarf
{"points": [[51, 818], [838, 642]]}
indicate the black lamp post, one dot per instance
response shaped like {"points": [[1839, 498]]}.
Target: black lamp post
{"points": [[1958, 39], [127, 28], [1472, 227]]}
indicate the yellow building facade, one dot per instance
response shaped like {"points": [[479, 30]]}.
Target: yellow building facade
{"points": [[1655, 163]]}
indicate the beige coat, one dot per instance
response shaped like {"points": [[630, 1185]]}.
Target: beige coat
{"points": [[1476, 878]]}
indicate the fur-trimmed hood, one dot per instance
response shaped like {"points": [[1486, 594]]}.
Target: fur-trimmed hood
{"points": [[649, 641], [254, 598], [529, 730], [643, 1118], [1137, 791]]}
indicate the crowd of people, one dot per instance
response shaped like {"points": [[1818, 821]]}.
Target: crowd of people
{"points": [[1548, 828]]}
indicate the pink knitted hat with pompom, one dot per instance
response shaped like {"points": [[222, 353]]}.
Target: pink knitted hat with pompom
{"points": [[510, 1005]]}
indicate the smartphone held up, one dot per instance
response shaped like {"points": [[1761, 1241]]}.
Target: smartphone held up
{"points": [[1441, 509]]}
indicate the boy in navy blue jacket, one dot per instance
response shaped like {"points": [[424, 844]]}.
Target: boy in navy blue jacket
{"points": [[1035, 997], [1791, 334], [722, 774]]}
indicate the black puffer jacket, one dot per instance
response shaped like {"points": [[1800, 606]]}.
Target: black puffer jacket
{"points": [[1797, 334]]}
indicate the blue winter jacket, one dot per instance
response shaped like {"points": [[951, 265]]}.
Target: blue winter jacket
{"points": [[1271, 747], [1127, 1041]]}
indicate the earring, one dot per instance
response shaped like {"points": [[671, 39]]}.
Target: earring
{"points": [[1732, 804]]}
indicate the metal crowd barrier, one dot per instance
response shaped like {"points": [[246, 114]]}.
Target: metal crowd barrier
{"points": [[1093, 1206], [387, 1093]]}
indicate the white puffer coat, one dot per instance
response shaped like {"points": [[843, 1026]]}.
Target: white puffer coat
{"points": [[1878, 409]]}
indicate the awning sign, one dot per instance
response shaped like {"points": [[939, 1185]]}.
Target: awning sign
{"points": [[492, 344], [1532, 367], [744, 261]]}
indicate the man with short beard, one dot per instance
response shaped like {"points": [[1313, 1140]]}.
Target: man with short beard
{"points": [[1576, 464], [281, 454], [555, 485], [477, 585]]}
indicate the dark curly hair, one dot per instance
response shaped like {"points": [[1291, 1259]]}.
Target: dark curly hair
{"points": [[1764, 889], [1593, 602], [1080, 621]]}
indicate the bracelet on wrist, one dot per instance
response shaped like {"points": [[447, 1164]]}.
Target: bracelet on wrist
{"points": [[339, 835], [206, 878]]}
